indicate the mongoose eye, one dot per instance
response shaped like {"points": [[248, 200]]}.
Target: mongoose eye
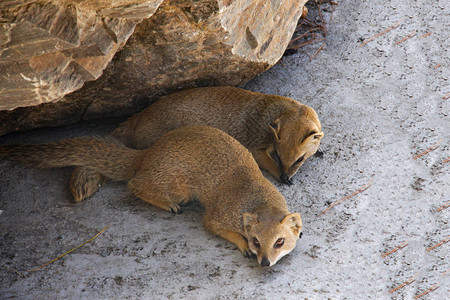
{"points": [[256, 242], [279, 243], [299, 160], [274, 125], [316, 135]]}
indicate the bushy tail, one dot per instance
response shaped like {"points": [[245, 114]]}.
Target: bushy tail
{"points": [[108, 157]]}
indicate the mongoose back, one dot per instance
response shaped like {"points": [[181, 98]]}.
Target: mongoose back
{"points": [[280, 132], [194, 162]]}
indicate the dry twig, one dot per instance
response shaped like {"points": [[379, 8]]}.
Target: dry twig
{"points": [[322, 20], [425, 35], [433, 288], [444, 206], [362, 189], [20, 274], [401, 246], [407, 282], [434, 147], [381, 33], [311, 23], [446, 161], [436, 66], [327, 1], [445, 272], [318, 50], [406, 37], [439, 244], [316, 34], [44, 265], [311, 41], [305, 34], [446, 96]]}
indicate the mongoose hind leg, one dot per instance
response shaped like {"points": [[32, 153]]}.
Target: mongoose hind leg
{"points": [[151, 194], [84, 182], [231, 236]]}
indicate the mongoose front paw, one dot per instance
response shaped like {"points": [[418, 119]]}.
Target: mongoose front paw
{"points": [[175, 209], [249, 254], [246, 251], [319, 153]]}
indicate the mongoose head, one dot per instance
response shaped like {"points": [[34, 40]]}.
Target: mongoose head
{"points": [[297, 137], [271, 240]]}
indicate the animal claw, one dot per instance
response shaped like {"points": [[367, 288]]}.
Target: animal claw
{"points": [[176, 210], [246, 252], [319, 153], [249, 254], [288, 181]]}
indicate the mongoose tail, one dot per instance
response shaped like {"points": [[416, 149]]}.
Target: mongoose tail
{"points": [[108, 157]]}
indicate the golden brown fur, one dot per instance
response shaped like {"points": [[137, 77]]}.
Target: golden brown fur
{"points": [[194, 162], [280, 132]]}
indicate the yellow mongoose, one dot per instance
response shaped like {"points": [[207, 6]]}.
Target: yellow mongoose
{"points": [[280, 132], [194, 162]]}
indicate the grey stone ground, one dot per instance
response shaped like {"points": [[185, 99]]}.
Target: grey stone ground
{"points": [[380, 105]]}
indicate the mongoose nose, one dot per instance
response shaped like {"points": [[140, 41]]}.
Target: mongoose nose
{"points": [[285, 179], [265, 262]]}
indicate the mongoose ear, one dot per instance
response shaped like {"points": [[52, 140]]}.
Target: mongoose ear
{"points": [[275, 126], [294, 221], [249, 220]]}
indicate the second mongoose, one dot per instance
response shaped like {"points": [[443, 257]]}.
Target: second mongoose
{"points": [[280, 132]]}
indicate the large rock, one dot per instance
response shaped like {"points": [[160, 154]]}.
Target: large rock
{"points": [[50, 48], [59, 62]]}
